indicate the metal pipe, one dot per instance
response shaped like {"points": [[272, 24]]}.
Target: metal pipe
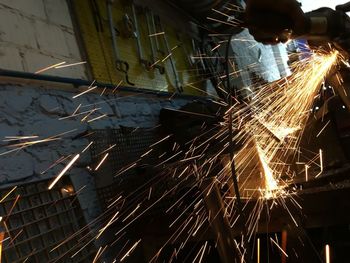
{"points": [[111, 28], [80, 82], [178, 84], [137, 32]]}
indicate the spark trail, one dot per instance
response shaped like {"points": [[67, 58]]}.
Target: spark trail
{"points": [[283, 108]]}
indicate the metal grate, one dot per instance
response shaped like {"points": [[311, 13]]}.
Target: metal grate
{"points": [[130, 144], [35, 220]]}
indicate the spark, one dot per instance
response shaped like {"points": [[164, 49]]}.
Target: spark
{"points": [[175, 47], [156, 34], [101, 162], [89, 114], [14, 238], [13, 206], [270, 182], [126, 169], [146, 153], [65, 169], [160, 141], [118, 85], [100, 254], [168, 56], [29, 143], [155, 63], [323, 129], [306, 173], [221, 21], [84, 92], [77, 109], [97, 255], [87, 147], [17, 138], [60, 160], [258, 250], [114, 202], [127, 254], [2, 235], [191, 113], [216, 47], [103, 91], [78, 114], [71, 65], [278, 246], [148, 198], [328, 254], [107, 225], [201, 252], [13, 189], [50, 67], [23, 145], [321, 163], [108, 149], [132, 213], [97, 118]]}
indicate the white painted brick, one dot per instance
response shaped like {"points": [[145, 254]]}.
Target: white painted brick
{"points": [[51, 38], [10, 58], [42, 43], [72, 45], [35, 61], [16, 29], [28, 7], [58, 12]]}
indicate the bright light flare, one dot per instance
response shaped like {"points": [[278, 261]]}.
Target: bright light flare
{"points": [[65, 169], [328, 254]]}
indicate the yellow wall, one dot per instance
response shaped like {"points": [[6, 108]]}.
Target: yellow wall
{"points": [[99, 50]]}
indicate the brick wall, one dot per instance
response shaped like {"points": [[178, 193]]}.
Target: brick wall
{"points": [[37, 33]]}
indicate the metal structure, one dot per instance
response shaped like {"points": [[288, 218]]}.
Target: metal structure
{"points": [[42, 225], [130, 144]]}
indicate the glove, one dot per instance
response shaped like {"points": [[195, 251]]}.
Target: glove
{"points": [[275, 21]]}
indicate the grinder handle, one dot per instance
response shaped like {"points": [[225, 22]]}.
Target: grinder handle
{"points": [[345, 7]]}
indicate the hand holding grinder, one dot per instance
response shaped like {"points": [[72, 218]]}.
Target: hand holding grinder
{"points": [[276, 21]]}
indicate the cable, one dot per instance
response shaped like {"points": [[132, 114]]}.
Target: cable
{"points": [[231, 92]]}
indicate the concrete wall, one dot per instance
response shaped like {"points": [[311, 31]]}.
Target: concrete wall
{"points": [[35, 110], [37, 33]]}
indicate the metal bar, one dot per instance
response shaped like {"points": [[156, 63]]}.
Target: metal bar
{"points": [[32, 221], [151, 30], [147, 64], [112, 30], [172, 62], [81, 82], [219, 222], [15, 243]]}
